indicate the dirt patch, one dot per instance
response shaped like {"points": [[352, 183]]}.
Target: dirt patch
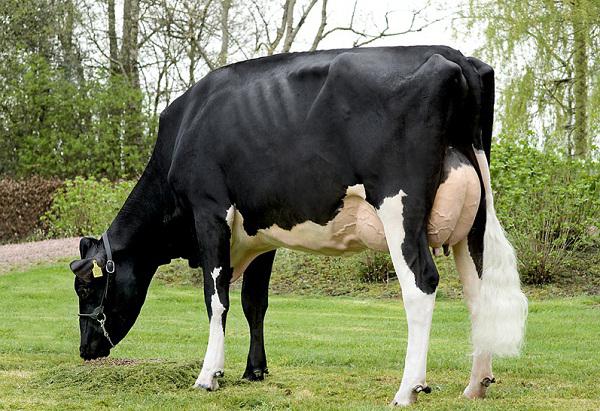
{"points": [[24, 255]]}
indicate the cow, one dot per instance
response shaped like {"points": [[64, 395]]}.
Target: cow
{"points": [[330, 152]]}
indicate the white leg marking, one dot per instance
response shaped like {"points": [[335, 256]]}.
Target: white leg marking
{"points": [[418, 305], [482, 362], [501, 311], [214, 360]]}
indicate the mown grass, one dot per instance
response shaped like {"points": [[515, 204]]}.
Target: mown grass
{"points": [[324, 353]]}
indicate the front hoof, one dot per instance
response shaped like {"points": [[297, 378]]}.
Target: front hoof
{"points": [[404, 402], [257, 374], [208, 380], [405, 398]]}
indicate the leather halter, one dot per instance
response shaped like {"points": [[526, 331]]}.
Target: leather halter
{"points": [[110, 268]]}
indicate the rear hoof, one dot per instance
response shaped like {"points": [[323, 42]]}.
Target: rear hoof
{"points": [[477, 391], [257, 374]]}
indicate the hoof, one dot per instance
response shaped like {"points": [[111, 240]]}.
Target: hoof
{"points": [[208, 380], [257, 374], [404, 398], [478, 390], [404, 402]]}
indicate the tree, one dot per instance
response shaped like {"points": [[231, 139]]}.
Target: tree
{"points": [[541, 50], [82, 81]]}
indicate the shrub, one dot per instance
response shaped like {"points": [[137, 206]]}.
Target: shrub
{"points": [[549, 206], [376, 267], [52, 126], [22, 202], [85, 206]]}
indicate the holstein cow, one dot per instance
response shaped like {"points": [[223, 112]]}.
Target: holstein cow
{"points": [[330, 152]]}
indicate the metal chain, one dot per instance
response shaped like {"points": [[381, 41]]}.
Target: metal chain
{"points": [[102, 321]]}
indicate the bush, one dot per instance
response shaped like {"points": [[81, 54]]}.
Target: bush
{"points": [[22, 202], [549, 206], [52, 126], [376, 267], [85, 206]]}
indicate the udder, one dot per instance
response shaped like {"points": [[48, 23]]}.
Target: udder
{"points": [[456, 202]]}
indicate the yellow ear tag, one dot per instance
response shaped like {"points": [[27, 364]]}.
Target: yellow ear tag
{"points": [[96, 270]]}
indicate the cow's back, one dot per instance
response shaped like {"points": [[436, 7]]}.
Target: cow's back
{"points": [[287, 135]]}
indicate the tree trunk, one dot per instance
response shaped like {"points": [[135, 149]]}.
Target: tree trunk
{"points": [[223, 54], [580, 62], [133, 144], [129, 46], [112, 39], [72, 64]]}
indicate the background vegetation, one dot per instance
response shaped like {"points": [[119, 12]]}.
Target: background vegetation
{"points": [[82, 83], [22, 202], [549, 205]]}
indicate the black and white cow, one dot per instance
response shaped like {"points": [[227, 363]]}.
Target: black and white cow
{"points": [[331, 152]]}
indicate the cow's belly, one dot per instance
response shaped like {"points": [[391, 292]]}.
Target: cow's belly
{"points": [[357, 227]]}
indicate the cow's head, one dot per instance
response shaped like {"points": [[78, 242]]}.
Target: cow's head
{"points": [[121, 299]]}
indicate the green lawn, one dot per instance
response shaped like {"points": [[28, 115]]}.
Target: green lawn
{"points": [[324, 353]]}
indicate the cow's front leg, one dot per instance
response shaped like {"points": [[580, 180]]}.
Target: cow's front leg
{"points": [[255, 300], [213, 236], [406, 237]]}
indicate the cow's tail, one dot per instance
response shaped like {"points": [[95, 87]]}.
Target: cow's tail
{"points": [[500, 312]]}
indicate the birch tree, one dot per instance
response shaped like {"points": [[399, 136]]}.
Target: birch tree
{"points": [[546, 55]]}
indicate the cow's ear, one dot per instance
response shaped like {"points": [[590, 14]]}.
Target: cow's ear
{"points": [[83, 269], [85, 244]]}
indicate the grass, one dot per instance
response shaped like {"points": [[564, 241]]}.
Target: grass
{"points": [[324, 353]]}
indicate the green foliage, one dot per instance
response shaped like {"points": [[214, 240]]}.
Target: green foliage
{"points": [[534, 47], [85, 206], [55, 127], [376, 267], [549, 206]]}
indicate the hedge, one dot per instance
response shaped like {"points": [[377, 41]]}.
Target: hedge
{"points": [[22, 202]]}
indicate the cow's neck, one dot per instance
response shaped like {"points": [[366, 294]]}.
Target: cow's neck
{"points": [[139, 228]]}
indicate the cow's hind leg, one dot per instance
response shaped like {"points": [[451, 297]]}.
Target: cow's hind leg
{"points": [[481, 372], [255, 300], [213, 237], [403, 219]]}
